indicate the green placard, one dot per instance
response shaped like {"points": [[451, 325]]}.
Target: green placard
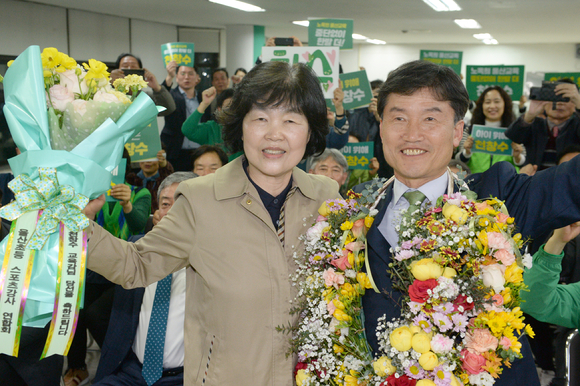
{"points": [[331, 33], [510, 78], [145, 145], [451, 59], [554, 76], [182, 53], [490, 140], [118, 178], [358, 154], [357, 89]]}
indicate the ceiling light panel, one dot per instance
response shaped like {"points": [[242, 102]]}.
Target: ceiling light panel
{"points": [[246, 7]]}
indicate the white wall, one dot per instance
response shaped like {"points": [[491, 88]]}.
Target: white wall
{"points": [[379, 60], [240, 47]]}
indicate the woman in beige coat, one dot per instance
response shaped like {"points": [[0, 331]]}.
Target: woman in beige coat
{"points": [[236, 231]]}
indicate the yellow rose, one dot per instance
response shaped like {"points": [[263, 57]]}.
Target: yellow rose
{"points": [[415, 329], [455, 381], [349, 380], [383, 367], [401, 338], [449, 272], [324, 210], [421, 342], [455, 213], [426, 269], [425, 382], [369, 221], [513, 274], [301, 377], [428, 360]]}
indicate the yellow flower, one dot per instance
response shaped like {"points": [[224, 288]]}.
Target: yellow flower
{"points": [[455, 381], [337, 349], [68, 63], [369, 221], [426, 269], [50, 57], [415, 329], [496, 325], [46, 74], [428, 360], [95, 70], [455, 213], [421, 342], [121, 97], [341, 316], [425, 382], [349, 380], [350, 257], [338, 304], [363, 279], [482, 237], [449, 272], [383, 367], [507, 296], [301, 377], [346, 225], [324, 210], [400, 338], [530, 331], [514, 274], [134, 80], [9, 63]]}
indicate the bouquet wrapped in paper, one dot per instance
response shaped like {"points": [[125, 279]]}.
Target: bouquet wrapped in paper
{"points": [[70, 126]]}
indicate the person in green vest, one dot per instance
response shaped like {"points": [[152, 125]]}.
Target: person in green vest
{"points": [[493, 108], [210, 132]]}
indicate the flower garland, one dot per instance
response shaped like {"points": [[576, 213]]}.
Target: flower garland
{"points": [[460, 272]]}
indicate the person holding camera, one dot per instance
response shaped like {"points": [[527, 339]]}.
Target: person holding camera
{"points": [[545, 137]]}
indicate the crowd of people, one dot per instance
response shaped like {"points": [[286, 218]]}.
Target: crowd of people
{"points": [[188, 277]]}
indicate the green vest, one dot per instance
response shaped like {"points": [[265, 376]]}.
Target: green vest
{"points": [[480, 162], [112, 217]]}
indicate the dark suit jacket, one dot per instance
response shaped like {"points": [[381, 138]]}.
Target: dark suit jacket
{"points": [[535, 137], [171, 135], [548, 200]]}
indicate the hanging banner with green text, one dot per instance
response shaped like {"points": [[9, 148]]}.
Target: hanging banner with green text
{"points": [[510, 78], [145, 145], [358, 154], [451, 59], [357, 89], [490, 140], [323, 60], [331, 33], [554, 76], [182, 53]]}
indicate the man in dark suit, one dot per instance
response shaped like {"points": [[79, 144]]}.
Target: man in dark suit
{"points": [[124, 350], [186, 102], [422, 106]]}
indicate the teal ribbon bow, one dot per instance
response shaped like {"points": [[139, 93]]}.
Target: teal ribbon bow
{"points": [[58, 204]]}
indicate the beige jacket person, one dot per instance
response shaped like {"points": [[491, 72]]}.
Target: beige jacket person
{"points": [[238, 287]]}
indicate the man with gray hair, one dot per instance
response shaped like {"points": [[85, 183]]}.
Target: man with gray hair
{"points": [[126, 356], [331, 163]]}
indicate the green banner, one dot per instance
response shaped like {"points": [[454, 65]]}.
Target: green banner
{"points": [[331, 33], [145, 145], [358, 154], [451, 59], [182, 53], [554, 76], [118, 178], [510, 78], [490, 140], [357, 89]]}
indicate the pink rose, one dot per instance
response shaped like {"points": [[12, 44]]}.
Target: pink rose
{"points": [[59, 96], [103, 96], [480, 340], [496, 240], [331, 278], [70, 79], [358, 227], [472, 362], [506, 257], [79, 106], [502, 218], [505, 343], [355, 246], [342, 263], [497, 300], [493, 276]]}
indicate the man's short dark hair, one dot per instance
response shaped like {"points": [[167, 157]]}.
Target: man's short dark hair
{"points": [[567, 150], [274, 84], [568, 80], [195, 154], [227, 93], [194, 68], [443, 83], [120, 57], [218, 70], [376, 84], [240, 69]]}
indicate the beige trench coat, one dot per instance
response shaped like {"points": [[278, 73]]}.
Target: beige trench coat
{"points": [[238, 287]]}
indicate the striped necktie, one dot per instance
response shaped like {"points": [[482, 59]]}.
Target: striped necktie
{"points": [[281, 220]]}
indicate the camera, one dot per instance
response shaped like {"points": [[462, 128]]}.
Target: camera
{"points": [[140, 72], [284, 41], [547, 93]]}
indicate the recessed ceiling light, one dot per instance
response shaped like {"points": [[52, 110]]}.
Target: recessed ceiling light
{"points": [[376, 41], [482, 36], [490, 41], [239, 5], [359, 37], [303, 23], [467, 23], [443, 5]]}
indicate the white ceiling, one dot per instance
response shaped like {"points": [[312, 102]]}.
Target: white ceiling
{"points": [[509, 21]]}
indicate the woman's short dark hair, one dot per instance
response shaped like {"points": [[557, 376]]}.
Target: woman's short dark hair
{"points": [[273, 84], [120, 57], [443, 83], [227, 93], [508, 115], [196, 153]]}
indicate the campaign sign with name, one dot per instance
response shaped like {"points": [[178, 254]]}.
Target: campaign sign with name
{"points": [[490, 140], [554, 76], [145, 145], [323, 60], [118, 178], [358, 154], [451, 59], [510, 78], [331, 33], [357, 89], [182, 53]]}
